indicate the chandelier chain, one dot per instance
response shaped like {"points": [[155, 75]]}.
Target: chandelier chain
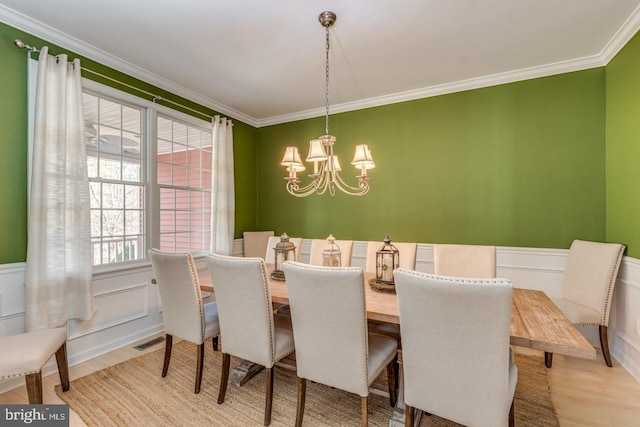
{"points": [[326, 120]]}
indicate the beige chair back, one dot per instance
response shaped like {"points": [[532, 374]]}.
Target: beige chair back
{"points": [[329, 325], [407, 252], [455, 347], [270, 256], [590, 275], [317, 245], [464, 261], [177, 278], [241, 286], [255, 243]]}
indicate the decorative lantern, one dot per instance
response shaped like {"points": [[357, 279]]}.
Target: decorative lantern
{"points": [[331, 256], [387, 260], [285, 251]]}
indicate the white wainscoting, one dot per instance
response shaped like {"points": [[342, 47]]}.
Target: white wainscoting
{"points": [[624, 323], [129, 307]]}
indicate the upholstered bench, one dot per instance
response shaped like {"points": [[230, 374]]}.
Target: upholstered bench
{"points": [[25, 354]]}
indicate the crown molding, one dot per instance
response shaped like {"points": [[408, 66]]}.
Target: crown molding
{"points": [[621, 37], [50, 34], [38, 29], [615, 44], [443, 89]]}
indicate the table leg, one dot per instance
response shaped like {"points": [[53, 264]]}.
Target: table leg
{"points": [[398, 416], [244, 372]]}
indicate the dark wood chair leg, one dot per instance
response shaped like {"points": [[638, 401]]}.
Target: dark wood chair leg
{"points": [[168, 342], [365, 415], [199, 367], [391, 380], [63, 366], [512, 414], [302, 394], [408, 416], [604, 344], [548, 359], [269, 395], [34, 388], [215, 343], [224, 377]]}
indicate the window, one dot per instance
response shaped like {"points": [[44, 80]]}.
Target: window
{"points": [[145, 196], [184, 179], [113, 132]]}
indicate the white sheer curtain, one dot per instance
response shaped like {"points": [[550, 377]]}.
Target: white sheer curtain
{"points": [[223, 203], [59, 266]]}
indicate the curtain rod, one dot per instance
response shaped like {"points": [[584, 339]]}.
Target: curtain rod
{"points": [[20, 44]]}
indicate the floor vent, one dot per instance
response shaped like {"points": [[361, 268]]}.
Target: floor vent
{"points": [[148, 344]]}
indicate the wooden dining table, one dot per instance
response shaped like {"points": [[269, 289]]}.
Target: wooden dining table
{"points": [[536, 322]]}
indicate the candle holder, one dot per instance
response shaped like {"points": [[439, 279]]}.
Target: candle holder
{"points": [[284, 251], [387, 260], [331, 255]]}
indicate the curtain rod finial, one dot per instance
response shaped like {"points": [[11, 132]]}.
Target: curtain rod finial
{"points": [[22, 45]]}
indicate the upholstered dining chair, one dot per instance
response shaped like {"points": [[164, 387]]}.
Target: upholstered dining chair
{"points": [[184, 314], [248, 327], [333, 346], [26, 353], [455, 348], [587, 288], [255, 243], [317, 245], [464, 261], [270, 256]]}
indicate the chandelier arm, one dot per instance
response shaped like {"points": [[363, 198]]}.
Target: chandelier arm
{"points": [[323, 182], [305, 191], [361, 189], [343, 184], [318, 184]]}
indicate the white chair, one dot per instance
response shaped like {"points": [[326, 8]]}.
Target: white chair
{"points": [[333, 346], [455, 348], [317, 245], [406, 252], [184, 314], [587, 288], [270, 256], [248, 327], [255, 243], [464, 261], [25, 354]]}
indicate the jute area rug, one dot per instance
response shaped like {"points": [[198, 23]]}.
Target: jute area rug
{"points": [[133, 393]]}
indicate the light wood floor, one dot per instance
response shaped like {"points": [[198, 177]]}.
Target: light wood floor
{"points": [[584, 392]]}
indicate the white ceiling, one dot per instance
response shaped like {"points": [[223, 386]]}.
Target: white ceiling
{"points": [[263, 61]]}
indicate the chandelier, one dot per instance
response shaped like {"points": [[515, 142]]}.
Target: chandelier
{"points": [[326, 167]]}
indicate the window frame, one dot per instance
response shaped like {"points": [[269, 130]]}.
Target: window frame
{"points": [[188, 188], [148, 149]]}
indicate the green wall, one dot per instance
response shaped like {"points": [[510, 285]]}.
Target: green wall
{"points": [[13, 143], [519, 164], [623, 148]]}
